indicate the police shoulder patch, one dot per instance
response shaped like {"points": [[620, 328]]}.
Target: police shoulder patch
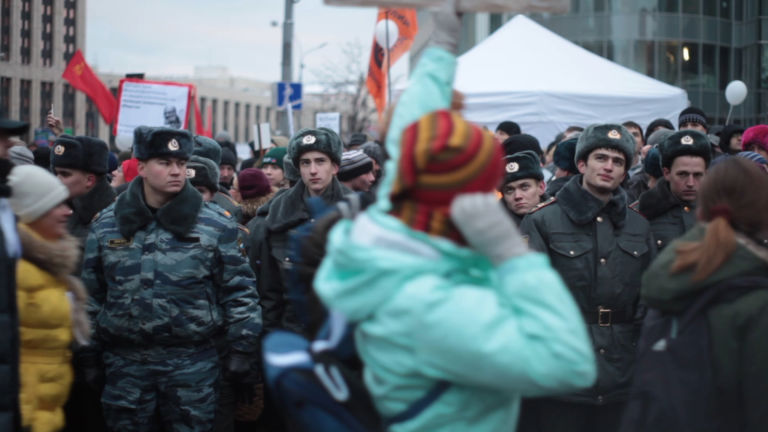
{"points": [[540, 206]]}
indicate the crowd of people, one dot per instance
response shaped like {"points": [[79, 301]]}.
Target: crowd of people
{"points": [[515, 278]]}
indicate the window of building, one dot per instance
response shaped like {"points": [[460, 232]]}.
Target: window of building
{"points": [[257, 114], [671, 6], [690, 64], [214, 109], [91, 118], [46, 100], [764, 8], [237, 121], [68, 107], [70, 28], [738, 11], [5, 30], [225, 116], [46, 33], [495, 22], [764, 67], [267, 112], [724, 63], [710, 8], [692, 7], [709, 66], [25, 50], [203, 106], [725, 9], [645, 53], [667, 61], [5, 97], [247, 122], [25, 103]]}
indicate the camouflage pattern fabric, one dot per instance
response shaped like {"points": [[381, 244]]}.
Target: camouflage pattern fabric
{"points": [[175, 388]]}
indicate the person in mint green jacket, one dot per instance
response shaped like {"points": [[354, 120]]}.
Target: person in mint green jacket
{"points": [[440, 283]]}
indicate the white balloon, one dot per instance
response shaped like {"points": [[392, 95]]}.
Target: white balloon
{"points": [[736, 92], [381, 33], [124, 142]]}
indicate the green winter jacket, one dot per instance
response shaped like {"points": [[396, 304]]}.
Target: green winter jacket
{"points": [[429, 310], [739, 328]]}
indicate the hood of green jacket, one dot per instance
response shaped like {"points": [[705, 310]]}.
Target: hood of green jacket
{"points": [[673, 292]]}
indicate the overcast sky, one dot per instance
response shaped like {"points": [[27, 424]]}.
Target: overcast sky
{"points": [[171, 37]]}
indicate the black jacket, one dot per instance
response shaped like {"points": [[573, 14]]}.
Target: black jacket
{"points": [[670, 218], [9, 347], [268, 250], [601, 250], [85, 207]]}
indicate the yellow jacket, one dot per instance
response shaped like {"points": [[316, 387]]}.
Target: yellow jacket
{"points": [[46, 326]]}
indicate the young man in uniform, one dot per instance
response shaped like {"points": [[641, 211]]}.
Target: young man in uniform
{"points": [[524, 187]]}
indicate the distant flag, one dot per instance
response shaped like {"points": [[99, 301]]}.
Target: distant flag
{"points": [[378, 68], [81, 76]]}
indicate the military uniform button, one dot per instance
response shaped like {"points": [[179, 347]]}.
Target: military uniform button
{"points": [[603, 261], [602, 351], [599, 218], [599, 399], [635, 253], [287, 259], [571, 252], [658, 242], [687, 209]]}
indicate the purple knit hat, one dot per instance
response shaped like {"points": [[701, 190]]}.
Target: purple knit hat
{"points": [[253, 183]]}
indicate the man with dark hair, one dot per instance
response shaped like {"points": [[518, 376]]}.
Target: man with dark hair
{"points": [[317, 155], [524, 185], [168, 280], [10, 251], [637, 133], [506, 129], [600, 247], [659, 123], [670, 206], [565, 167]]}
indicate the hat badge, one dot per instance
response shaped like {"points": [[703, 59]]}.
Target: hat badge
{"points": [[173, 145], [687, 140], [513, 167], [308, 139], [58, 150], [190, 173], [614, 134]]}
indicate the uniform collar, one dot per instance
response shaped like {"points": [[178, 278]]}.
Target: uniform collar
{"points": [[582, 207], [178, 216]]}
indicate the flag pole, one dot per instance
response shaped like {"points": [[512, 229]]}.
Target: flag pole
{"points": [[389, 82]]}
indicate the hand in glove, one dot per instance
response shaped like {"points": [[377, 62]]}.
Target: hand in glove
{"points": [[487, 227], [447, 29], [242, 376]]}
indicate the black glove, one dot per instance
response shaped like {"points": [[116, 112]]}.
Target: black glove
{"points": [[242, 376], [93, 370]]}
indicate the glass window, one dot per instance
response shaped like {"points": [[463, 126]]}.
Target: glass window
{"points": [[70, 28], [690, 64], [5, 30], [91, 118], [725, 9], [25, 95], [691, 7], [672, 6], [46, 34], [237, 122], [46, 100], [602, 5], [258, 116], [5, 97], [710, 8], [68, 107], [764, 68], [738, 10], [25, 48], [214, 106], [247, 122], [644, 55], [764, 8], [667, 57], [725, 62], [708, 66], [495, 22]]}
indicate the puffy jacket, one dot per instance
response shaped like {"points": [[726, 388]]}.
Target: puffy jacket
{"points": [[669, 217], [46, 327], [173, 278], [738, 328], [429, 311], [601, 251]]}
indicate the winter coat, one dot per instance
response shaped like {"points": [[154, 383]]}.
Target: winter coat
{"points": [[9, 333], [738, 328], [429, 310], [175, 277], [554, 185], [269, 245], [669, 217], [601, 251], [230, 205], [47, 323], [85, 208]]}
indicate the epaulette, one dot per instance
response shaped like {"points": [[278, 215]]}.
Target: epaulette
{"points": [[244, 229], [540, 206], [635, 208], [231, 200]]}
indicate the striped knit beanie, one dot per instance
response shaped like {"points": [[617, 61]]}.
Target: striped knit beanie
{"points": [[354, 163], [443, 155]]}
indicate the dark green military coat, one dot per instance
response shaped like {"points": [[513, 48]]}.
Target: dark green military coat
{"points": [[669, 217], [268, 250], [601, 250]]}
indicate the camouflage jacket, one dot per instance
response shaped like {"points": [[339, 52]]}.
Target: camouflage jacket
{"points": [[670, 218], [177, 277]]}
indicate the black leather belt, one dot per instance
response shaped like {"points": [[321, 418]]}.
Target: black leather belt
{"points": [[605, 317]]}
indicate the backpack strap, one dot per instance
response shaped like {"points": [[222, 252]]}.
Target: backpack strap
{"points": [[420, 405]]}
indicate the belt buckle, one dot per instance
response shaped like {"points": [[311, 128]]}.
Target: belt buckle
{"points": [[604, 316]]}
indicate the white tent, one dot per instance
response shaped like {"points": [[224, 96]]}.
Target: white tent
{"points": [[528, 74]]}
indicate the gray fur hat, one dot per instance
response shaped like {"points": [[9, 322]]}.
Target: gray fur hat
{"points": [[289, 171], [323, 140], [207, 148], [202, 171], [154, 142], [610, 136]]}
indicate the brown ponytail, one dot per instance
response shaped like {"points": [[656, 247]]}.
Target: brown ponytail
{"points": [[733, 198]]}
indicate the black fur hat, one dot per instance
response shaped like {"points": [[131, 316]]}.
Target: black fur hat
{"points": [[522, 165], [81, 153], [685, 143], [154, 142]]}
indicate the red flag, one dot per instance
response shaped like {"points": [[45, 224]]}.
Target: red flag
{"points": [[407, 26], [82, 77], [199, 128]]}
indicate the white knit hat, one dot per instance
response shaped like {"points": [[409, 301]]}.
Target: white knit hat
{"points": [[34, 191]]}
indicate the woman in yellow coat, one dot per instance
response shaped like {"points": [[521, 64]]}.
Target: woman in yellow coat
{"points": [[50, 301]]}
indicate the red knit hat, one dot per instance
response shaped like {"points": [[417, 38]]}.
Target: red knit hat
{"points": [[253, 183], [757, 135], [130, 169], [443, 155]]}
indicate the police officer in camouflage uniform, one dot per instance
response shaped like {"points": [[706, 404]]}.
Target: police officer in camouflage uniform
{"points": [[670, 206], [600, 247], [166, 276], [524, 186]]}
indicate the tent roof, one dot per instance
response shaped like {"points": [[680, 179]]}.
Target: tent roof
{"points": [[523, 56]]}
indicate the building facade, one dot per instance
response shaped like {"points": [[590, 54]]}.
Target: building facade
{"points": [[698, 45]]}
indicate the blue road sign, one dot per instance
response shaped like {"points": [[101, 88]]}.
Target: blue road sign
{"points": [[292, 90]]}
